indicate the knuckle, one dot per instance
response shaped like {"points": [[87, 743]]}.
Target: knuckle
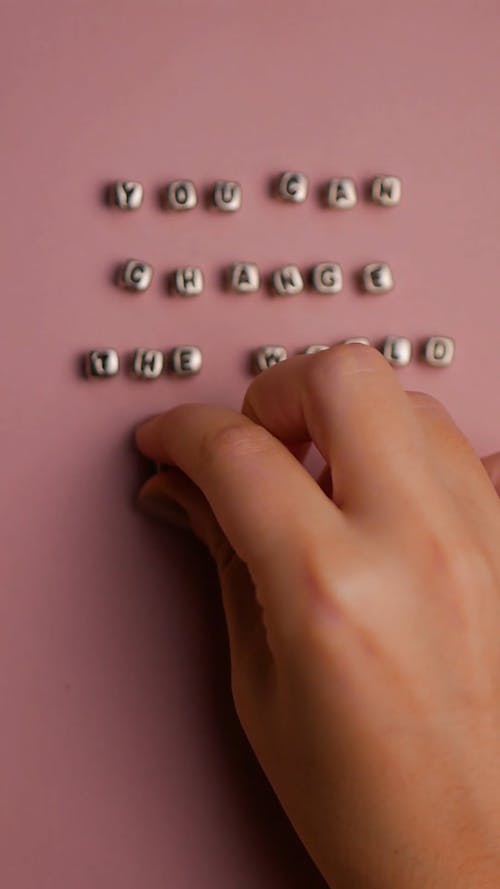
{"points": [[426, 402], [435, 554], [342, 360], [233, 441], [323, 608], [452, 562]]}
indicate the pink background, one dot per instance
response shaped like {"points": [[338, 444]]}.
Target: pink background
{"points": [[121, 763]]}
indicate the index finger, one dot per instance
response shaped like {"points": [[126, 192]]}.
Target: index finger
{"points": [[350, 403]]}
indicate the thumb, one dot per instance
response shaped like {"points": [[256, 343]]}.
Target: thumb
{"points": [[492, 466], [172, 498]]}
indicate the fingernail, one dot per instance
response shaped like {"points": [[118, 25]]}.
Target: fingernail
{"points": [[145, 433], [157, 505]]}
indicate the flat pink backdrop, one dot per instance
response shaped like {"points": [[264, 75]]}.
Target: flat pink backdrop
{"points": [[121, 762]]}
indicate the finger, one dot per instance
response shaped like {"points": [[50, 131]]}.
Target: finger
{"points": [[171, 497], [451, 453], [299, 449], [348, 400], [268, 506], [492, 466]]}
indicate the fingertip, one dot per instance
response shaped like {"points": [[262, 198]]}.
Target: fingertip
{"points": [[155, 500], [146, 436]]}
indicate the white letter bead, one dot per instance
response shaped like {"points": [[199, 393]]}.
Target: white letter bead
{"points": [[326, 277], [386, 191], [102, 363], [185, 361], [293, 187], [313, 350], [244, 277], [287, 281], [439, 351], [357, 339], [397, 350], [127, 195], [136, 275], [181, 195], [188, 281], [377, 278], [226, 196], [268, 356], [341, 194], [147, 364]]}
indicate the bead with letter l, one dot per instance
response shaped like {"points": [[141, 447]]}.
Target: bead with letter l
{"points": [[397, 350]]}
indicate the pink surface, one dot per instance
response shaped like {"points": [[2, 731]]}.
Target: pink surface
{"points": [[121, 763]]}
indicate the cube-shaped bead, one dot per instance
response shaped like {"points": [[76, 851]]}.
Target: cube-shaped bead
{"points": [[226, 196], [439, 351], [126, 194], [180, 195], [341, 194], [185, 361], [136, 275], [292, 187], [314, 349], [377, 278], [326, 277], [267, 356], [357, 339], [397, 350], [102, 363], [244, 277], [147, 364], [287, 281], [188, 281], [386, 191]]}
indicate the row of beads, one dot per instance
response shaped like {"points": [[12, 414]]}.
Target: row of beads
{"points": [[149, 364], [226, 195], [244, 277]]}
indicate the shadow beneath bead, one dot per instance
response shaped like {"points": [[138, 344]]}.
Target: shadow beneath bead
{"points": [[105, 195], [79, 363], [160, 198], [321, 193], [366, 190]]}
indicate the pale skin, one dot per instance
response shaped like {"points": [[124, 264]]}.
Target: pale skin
{"points": [[363, 610]]}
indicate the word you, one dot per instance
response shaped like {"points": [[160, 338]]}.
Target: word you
{"points": [[184, 361], [226, 195]]}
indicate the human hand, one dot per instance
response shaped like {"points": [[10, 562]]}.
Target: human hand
{"points": [[363, 611]]}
